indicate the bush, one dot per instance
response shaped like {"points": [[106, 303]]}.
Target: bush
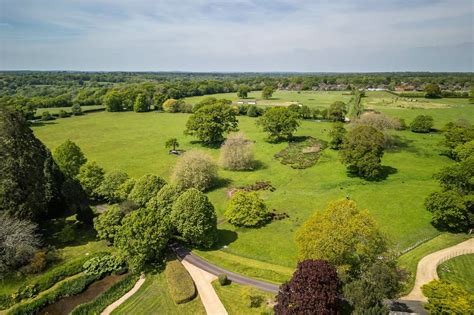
{"points": [[67, 234], [76, 110], [195, 169], [223, 280], [63, 113], [448, 210], [109, 189], [180, 283], [46, 116], [422, 124], [38, 263], [124, 189], [108, 223], [247, 209], [69, 158], [91, 176], [445, 297], [145, 188], [115, 292], [171, 105], [103, 265], [237, 153]]}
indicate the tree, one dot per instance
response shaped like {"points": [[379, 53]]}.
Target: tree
{"points": [[247, 209], [422, 124], [252, 111], [313, 289], [445, 297], [337, 111], [171, 105], [145, 188], [267, 92], [457, 134], [448, 210], [379, 121], [432, 91], [342, 235], [109, 223], [196, 169], [210, 122], [458, 177], [69, 158], [109, 188], [243, 91], [279, 122], [113, 101], [464, 151], [362, 152], [141, 104], [237, 153], [18, 242], [164, 199], [30, 180], [337, 134], [195, 219], [143, 238], [76, 110], [91, 176], [172, 143], [211, 101], [124, 189]]}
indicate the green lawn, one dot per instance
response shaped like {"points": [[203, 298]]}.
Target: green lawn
{"points": [[459, 270], [134, 142], [153, 297], [237, 303]]}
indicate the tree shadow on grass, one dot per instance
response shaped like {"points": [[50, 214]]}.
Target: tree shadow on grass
{"points": [[42, 123], [220, 183], [384, 173], [224, 238], [397, 144], [62, 233]]}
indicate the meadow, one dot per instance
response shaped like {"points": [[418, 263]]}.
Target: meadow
{"points": [[134, 143]]}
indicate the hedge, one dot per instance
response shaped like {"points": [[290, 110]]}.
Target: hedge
{"points": [[180, 283], [67, 288], [114, 293], [45, 281]]}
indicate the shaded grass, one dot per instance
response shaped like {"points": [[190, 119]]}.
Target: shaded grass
{"points": [[237, 304], [459, 270], [154, 297]]}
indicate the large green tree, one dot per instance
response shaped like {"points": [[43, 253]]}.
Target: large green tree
{"points": [[337, 134], [449, 210], [109, 188], [113, 101], [279, 122], [141, 104], [91, 176], [247, 209], [243, 91], [145, 188], [362, 152], [69, 158], [196, 169], [337, 111], [109, 223], [432, 90], [211, 122], [194, 218], [267, 92], [163, 201]]}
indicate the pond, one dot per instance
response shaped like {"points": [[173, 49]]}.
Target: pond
{"points": [[65, 305]]}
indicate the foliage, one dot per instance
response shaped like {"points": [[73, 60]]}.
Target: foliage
{"points": [[252, 111], [458, 177], [379, 121], [67, 234], [18, 242], [422, 124], [103, 265], [223, 280], [143, 237], [172, 143], [279, 122], [243, 91], [352, 235], [237, 153], [247, 209], [109, 188], [447, 298], [113, 101], [180, 283], [313, 289], [141, 104], [455, 135], [30, 180], [337, 111], [267, 92], [194, 218], [63, 114], [145, 188], [337, 134], [108, 223], [195, 169], [124, 189], [69, 158], [85, 214], [164, 199], [464, 151], [432, 91], [171, 105], [362, 152], [38, 262], [76, 110], [210, 123], [448, 210], [91, 176]]}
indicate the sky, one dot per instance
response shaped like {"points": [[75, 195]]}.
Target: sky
{"points": [[237, 35]]}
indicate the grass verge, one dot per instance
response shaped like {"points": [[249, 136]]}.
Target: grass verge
{"points": [[459, 270], [180, 283]]}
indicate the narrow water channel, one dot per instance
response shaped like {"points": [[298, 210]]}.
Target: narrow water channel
{"points": [[65, 305]]}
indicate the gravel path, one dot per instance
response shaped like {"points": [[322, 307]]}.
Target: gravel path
{"points": [[426, 270], [120, 301]]}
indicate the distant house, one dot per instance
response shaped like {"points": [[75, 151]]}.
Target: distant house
{"points": [[252, 102]]}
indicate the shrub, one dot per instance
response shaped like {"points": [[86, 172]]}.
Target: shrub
{"points": [[180, 283], [171, 105], [124, 189], [337, 134], [116, 291], [103, 265], [164, 200], [223, 280], [109, 189], [247, 209], [448, 210], [63, 113], [145, 188], [67, 234], [46, 116], [445, 297], [91, 176], [195, 169], [422, 124], [194, 218], [108, 223], [279, 122], [38, 263], [76, 110], [456, 134], [252, 111], [237, 153], [69, 158], [464, 151], [85, 214], [337, 111]]}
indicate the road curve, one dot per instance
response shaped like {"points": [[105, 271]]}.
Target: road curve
{"points": [[186, 255]]}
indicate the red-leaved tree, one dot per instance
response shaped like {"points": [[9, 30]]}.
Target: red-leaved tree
{"points": [[313, 289]]}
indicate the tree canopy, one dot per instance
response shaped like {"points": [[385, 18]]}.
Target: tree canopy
{"points": [[145, 188], [69, 158], [247, 209], [195, 169], [237, 153], [279, 122]]}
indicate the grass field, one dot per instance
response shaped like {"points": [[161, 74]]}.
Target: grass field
{"points": [[153, 297], [135, 143], [236, 303], [459, 270], [55, 110]]}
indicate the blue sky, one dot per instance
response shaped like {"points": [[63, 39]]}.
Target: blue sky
{"points": [[237, 35]]}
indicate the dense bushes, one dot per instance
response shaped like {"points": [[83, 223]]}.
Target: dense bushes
{"points": [[104, 264], [109, 188], [445, 297], [180, 283], [422, 124], [115, 292], [108, 223], [247, 209], [195, 169], [237, 153], [145, 188]]}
